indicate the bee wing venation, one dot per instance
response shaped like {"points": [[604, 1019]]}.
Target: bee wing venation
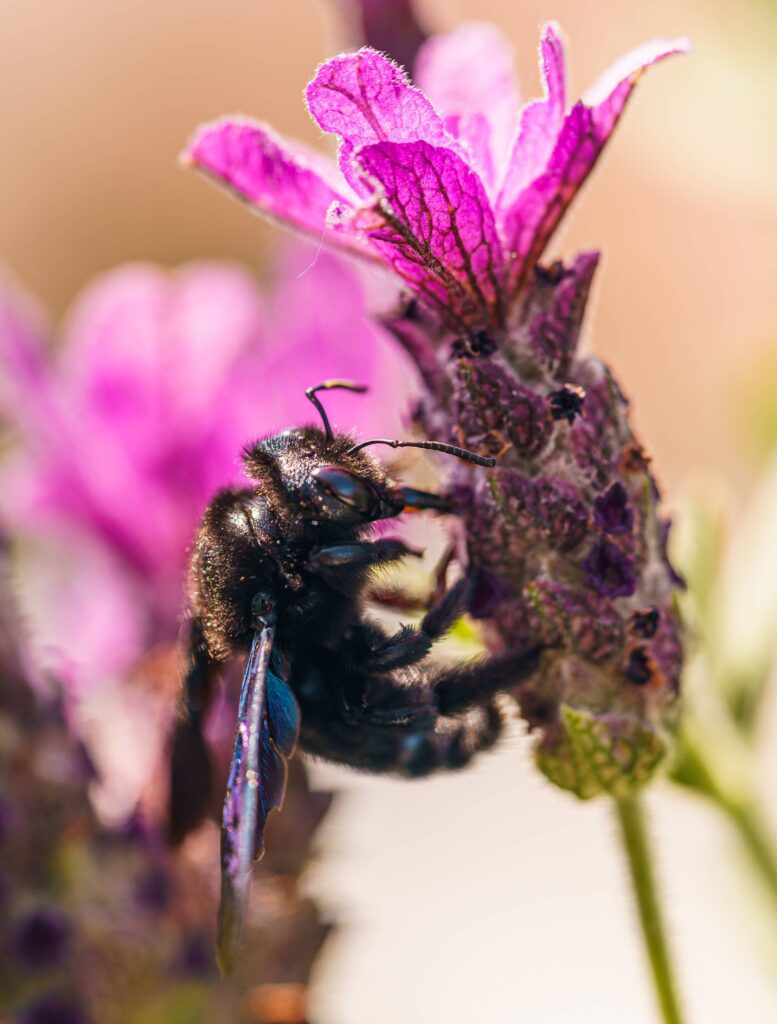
{"points": [[266, 734]]}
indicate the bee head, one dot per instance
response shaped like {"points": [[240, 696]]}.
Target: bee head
{"points": [[323, 478], [327, 476]]}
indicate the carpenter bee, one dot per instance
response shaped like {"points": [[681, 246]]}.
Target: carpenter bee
{"points": [[280, 570]]}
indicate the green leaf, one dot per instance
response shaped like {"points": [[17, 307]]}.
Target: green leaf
{"points": [[589, 755]]}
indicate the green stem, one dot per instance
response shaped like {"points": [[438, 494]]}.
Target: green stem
{"points": [[740, 808], [757, 840], [636, 845]]}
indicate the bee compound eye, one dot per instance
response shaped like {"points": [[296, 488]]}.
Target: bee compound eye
{"points": [[348, 489]]}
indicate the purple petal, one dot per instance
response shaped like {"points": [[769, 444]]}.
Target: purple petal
{"points": [[365, 98], [41, 940], [610, 570], [607, 96], [434, 225], [612, 511], [392, 28], [540, 121], [469, 76], [529, 218], [285, 182]]}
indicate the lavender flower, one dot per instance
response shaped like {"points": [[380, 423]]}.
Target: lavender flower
{"points": [[456, 201], [53, 1008], [78, 940], [459, 196], [40, 940]]}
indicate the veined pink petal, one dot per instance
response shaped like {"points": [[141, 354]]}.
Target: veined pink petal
{"points": [[541, 121], [528, 222], [469, 76], [607, 96], [436, 228], [281, 180], [365, 98]]}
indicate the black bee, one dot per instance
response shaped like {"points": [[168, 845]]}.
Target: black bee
{"points": [[280, 570]]}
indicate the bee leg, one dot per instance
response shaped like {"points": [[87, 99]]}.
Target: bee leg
{"points": [[360, 554], [396, 599], [474, 682], [441, 576], [412, 750], [440, 722], [446, 691], [410, 644], [191, 772]]}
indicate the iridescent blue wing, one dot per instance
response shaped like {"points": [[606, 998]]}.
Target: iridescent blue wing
{"points": [[267, 729]]}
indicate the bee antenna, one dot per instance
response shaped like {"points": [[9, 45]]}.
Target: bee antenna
{"points": [[435, 446], [331, 385]]}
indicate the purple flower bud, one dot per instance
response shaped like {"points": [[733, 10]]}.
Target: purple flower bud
{"points": [[639, 668], [610, 570], [489, 592], [612, 511], [53, 1009], [497, 412], [196, 956], [566, 403], [41, 940], [152, 891], [644, 622]]}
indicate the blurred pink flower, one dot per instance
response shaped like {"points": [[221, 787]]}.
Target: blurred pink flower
{"points": [[450, 186], [128, 426]]}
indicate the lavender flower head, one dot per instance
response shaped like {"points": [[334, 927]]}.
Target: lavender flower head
{"points": [[459, 192], [106, 925]]}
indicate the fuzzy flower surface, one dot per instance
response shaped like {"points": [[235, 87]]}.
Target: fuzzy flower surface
{"points": [[458, 190]]}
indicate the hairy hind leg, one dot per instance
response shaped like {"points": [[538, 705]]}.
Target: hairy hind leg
{"points": [[416, 696], [446, 743]]}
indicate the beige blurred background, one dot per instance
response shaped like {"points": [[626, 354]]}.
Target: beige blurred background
{"points": [[487, 897]]}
